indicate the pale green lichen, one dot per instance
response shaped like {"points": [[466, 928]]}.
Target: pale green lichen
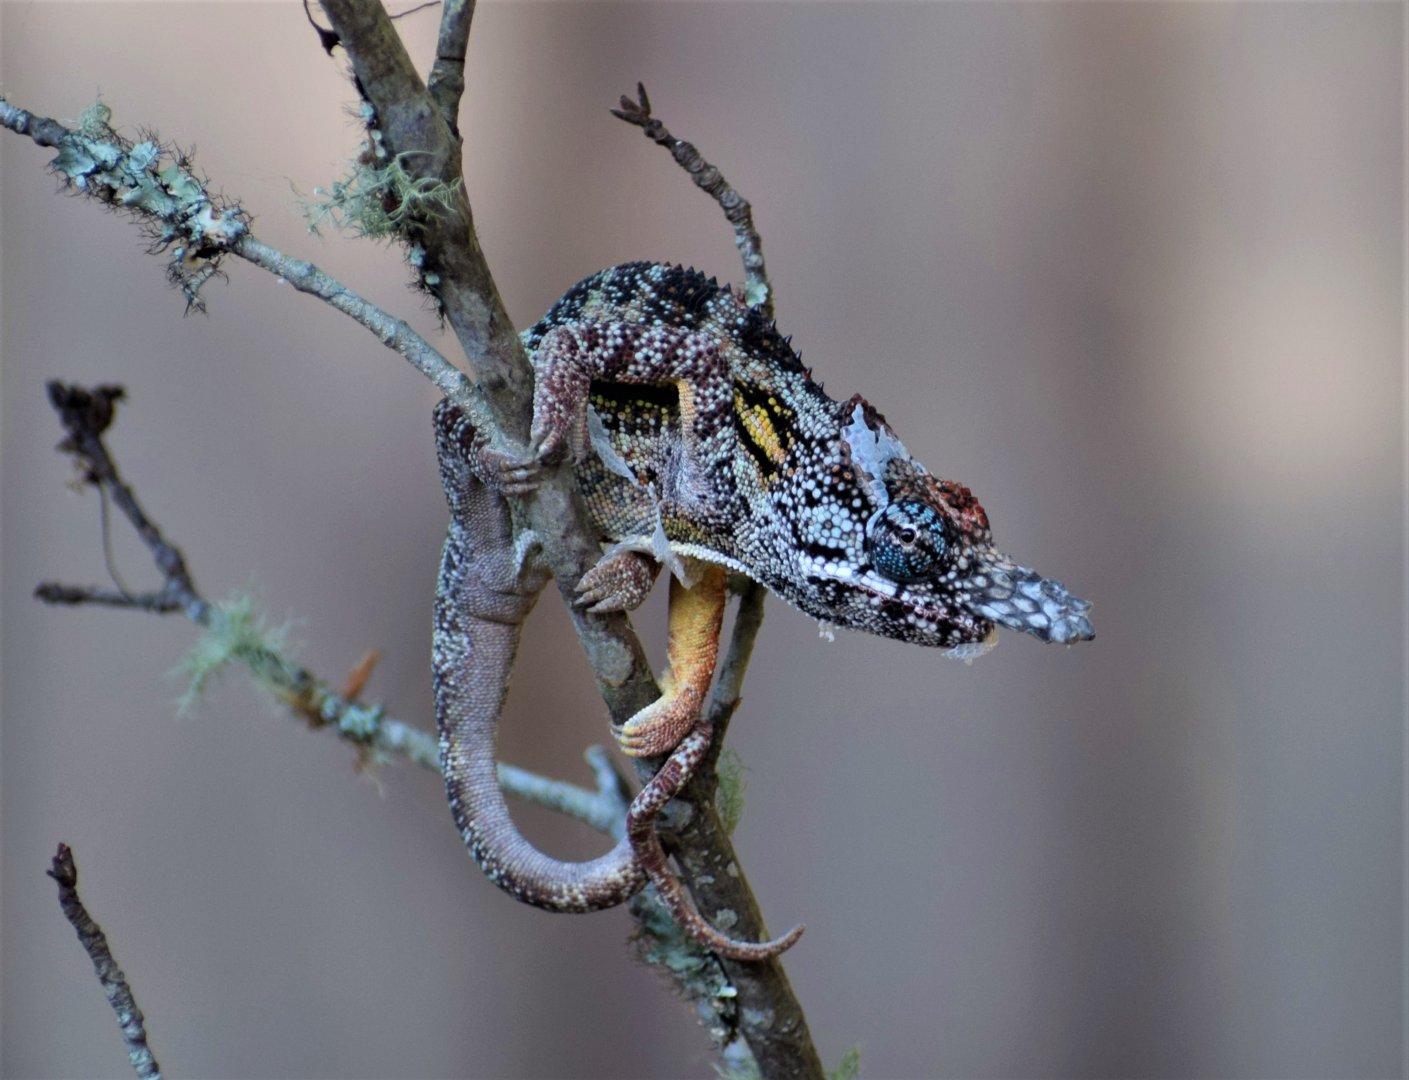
{"points": [[755, 293], [154, 183], [738, 1066], [379, 203], [743, 1067], [693, 970], [729, 796], [94, 120], [236, 631], [358, 722]]}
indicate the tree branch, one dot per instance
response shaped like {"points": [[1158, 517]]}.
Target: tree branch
{"points": [[176, 209], [412, 128], [456, 273], [110, 975], [392, 332], [447, 79], [86, 415]]}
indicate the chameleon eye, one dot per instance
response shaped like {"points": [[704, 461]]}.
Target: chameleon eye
{"points": [[907, 540]]}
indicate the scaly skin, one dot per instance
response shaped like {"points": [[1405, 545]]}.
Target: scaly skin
{"points": [[481, 602], [714, 442], [700, 442], [482, 599]]}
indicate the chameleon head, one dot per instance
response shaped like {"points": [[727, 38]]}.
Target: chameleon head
{"points": [[919, 562]]}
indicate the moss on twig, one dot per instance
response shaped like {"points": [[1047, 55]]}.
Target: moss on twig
{"points": [[236, 631], [729, 796]]}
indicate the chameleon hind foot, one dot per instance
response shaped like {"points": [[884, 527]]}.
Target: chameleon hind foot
{"points": [[651, 857], [658, 728]]}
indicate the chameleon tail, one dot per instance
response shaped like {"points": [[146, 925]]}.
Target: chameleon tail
{"points": [[640, 828], [481, 603]]}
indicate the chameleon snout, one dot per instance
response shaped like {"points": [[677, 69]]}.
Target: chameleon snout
{"points": [[1017, 598]]}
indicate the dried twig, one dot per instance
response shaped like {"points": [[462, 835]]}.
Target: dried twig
{"points": [[155, 185], [392, 332], [758, 291], [86, 415], [114, 982]]}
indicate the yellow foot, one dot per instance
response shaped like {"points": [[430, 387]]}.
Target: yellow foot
{"points": [[696, 615], [659, 727]]}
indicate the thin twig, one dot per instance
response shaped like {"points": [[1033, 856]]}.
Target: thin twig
{"points": [[748, 618], [85, 415], [179, 212], [603, 809], [392, 332], [758, 291], [413, 10], [53, 592], [326, 38], [114, 982]]}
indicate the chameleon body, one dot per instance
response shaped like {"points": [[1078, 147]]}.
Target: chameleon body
{"points": [[700, 443]]}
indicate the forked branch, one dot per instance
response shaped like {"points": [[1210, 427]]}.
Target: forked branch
{"points": [[418, 121]]}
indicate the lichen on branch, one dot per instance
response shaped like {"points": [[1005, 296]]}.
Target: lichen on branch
{"points": [[154, 182], [381, 195]]}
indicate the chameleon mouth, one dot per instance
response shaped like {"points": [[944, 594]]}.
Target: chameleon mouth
{"points": [[1021, 599]]}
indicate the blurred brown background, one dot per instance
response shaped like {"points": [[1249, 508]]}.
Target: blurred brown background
{"points": [[1132, 272]]}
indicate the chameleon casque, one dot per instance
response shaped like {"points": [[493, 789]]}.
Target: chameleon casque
{"points": [[701, 444]]}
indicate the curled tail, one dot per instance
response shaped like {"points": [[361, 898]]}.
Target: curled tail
{"points": [[482, 599]]}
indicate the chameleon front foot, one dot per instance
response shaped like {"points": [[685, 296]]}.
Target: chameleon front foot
{"points": [[619, 582], [519, 476]]}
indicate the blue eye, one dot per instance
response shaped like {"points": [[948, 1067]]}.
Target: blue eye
{"points": [[907, 541]]}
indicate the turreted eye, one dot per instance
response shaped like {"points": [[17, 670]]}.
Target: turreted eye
{"points": [[907, 540]]}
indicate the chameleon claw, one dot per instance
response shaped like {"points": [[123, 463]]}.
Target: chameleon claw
{"points": [[522, 476], [519, 477], [598, 605]]}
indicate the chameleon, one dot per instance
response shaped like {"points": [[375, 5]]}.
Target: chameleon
{"points": [[700, 443]]}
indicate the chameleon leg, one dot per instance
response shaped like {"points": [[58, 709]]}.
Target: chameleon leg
{"points": [[641, 831], [570, 356], [674, 724], [696, 615]]}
